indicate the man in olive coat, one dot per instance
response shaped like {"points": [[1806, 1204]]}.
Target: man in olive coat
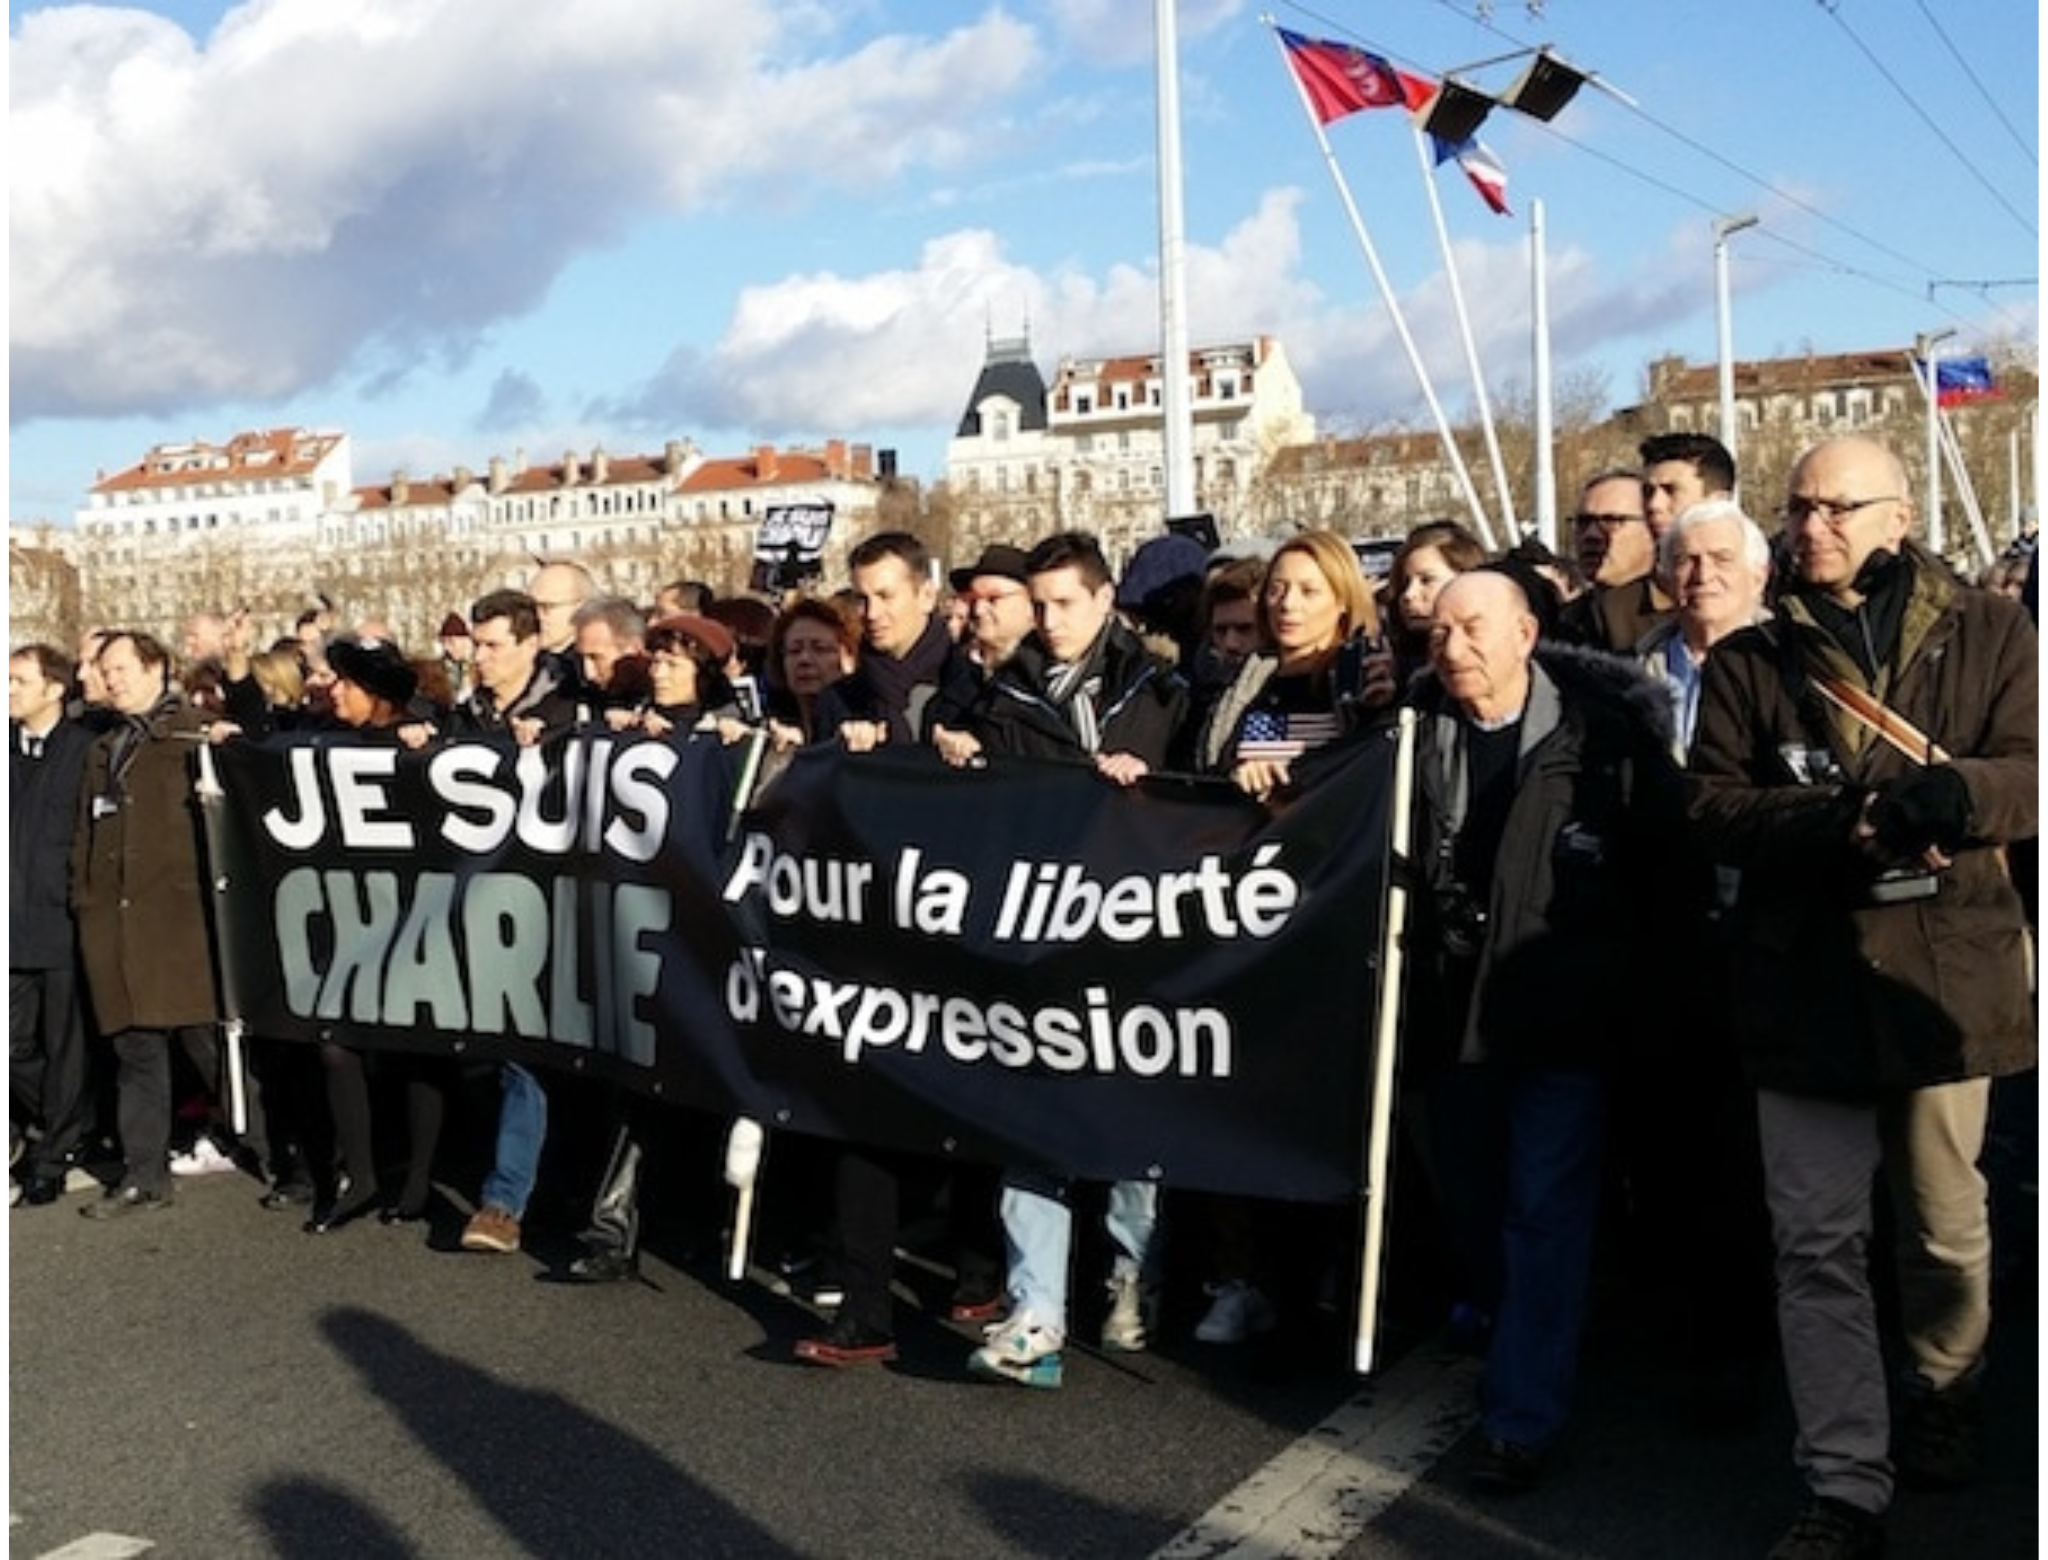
{"points": [[1881, 968], [139, 896]]}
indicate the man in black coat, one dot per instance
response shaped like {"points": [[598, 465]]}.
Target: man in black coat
{"points": [[1558, 882], [47, 1058], [1083, 688]]}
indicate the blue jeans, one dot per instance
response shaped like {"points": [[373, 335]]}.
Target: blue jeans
{"points": [[522, 1127], [1521, 1152], [1038, 1229]]}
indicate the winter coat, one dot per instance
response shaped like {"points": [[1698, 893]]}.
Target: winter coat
{"points": [[1596, 891], [42, 810], [138, 888], [1138, 710], [1836, 995]]}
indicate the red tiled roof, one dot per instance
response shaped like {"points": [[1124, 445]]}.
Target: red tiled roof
{"points": [[280, 452]]}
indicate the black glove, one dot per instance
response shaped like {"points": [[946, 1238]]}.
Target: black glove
{"points": [[1929, 806]]}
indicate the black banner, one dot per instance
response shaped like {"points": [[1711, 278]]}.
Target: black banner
{"points": [[1022, 963]]}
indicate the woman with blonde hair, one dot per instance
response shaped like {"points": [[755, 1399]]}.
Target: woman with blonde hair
{"points": [[1321, 660], [1321, 665]]}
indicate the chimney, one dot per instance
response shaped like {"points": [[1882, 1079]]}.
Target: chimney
{"points": [[835, 458], [600, 466], [572, 469], [500, 478], [672, 456], [401, 487], [888, 465], [764, 463], [463, 478]]}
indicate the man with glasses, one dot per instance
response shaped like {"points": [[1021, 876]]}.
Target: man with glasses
{"points": [[998, 618], [1862, 759], [559, 590], [1617, 552]]}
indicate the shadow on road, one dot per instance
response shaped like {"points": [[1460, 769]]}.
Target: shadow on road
{"points": [[555, 1478]]}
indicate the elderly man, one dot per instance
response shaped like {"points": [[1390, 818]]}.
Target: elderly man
{"points": [[1862, 758], [1551, 818], [1717, 562]]}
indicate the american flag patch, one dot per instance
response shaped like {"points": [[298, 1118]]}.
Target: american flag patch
{"points": [[1278, 736]]}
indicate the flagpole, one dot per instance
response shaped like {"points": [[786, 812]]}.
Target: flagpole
{"points": [[1443, 239], [1386, 1047], [1178, 463], [1379, 274], [1539, 330]]}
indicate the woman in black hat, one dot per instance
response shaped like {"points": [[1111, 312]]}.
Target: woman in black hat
{"points": [[373, 686]]}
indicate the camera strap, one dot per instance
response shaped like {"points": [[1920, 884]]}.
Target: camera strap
{"points": [[1881, 718]]}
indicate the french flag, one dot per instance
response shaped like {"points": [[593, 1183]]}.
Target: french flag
{"points": [[1484, 169]]}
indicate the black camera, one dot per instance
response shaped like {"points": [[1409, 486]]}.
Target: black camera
{"points": [[1461, 921]]}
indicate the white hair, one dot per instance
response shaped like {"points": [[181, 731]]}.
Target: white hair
{"points": [[1756, 547]]}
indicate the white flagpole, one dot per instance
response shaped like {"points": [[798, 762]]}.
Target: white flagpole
{"points": [[1443, 239], [1386, 1046], [1178, 464], [1379, 274], [1539, 330]]}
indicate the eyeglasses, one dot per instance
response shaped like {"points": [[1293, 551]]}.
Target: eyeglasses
{"points": [[1832, 511], [1605, 522]]}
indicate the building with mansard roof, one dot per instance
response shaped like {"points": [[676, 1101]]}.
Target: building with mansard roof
{"points": [[1087, 450]]}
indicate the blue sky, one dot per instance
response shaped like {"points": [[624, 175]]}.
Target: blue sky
{"points": [[458, 228]]}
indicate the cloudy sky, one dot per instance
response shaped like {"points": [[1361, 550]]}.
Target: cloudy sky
{"points": [[458, 228]]}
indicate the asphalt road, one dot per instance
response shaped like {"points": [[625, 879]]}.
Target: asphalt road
{"points": [[210, 1382]]}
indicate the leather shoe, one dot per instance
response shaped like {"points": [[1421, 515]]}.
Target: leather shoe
{"points": [[847, 1342], [41, 1190], [286, 1195], [124, 1200], [396, 1214], [329, 1217], [1504, 1468], [604, 1267]]}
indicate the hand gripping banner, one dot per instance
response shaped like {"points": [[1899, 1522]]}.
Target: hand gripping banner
{"points": [[1022, 964]]}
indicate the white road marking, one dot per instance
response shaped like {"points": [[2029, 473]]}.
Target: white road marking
{"points": [[100, 1546], [1324, 1490]]}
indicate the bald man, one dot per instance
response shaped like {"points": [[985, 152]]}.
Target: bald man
{"points": [[1551, 820], [1862, 759]]}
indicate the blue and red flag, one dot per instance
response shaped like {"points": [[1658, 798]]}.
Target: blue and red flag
{"points": [[1479, 164], [1958, 381], [1340, 78]]}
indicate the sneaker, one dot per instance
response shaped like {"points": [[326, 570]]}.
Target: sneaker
{"points": [[1023, 1349], [1935, 1436], [204, 1157], [491, 1228], [1236, 1311], [1831, 1530], [847, 1342], [1504, 1468], [1133, 1314]]}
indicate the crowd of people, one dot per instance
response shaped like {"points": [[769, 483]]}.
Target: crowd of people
{"points": [[1723, 917]]}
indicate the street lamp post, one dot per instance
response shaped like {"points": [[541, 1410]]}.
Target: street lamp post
{"points": [[1924, 346], [1723, 227]]}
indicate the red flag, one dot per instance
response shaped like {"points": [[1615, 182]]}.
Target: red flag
{"points": [[1340, 79]]}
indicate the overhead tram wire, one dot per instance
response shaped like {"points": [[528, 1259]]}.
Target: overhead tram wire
{"points": [[1712, 208], [1833, 8], [1983, 91], [1916, 267]]}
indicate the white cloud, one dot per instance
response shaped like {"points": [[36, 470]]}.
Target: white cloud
{"points": [[326, 190]]}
